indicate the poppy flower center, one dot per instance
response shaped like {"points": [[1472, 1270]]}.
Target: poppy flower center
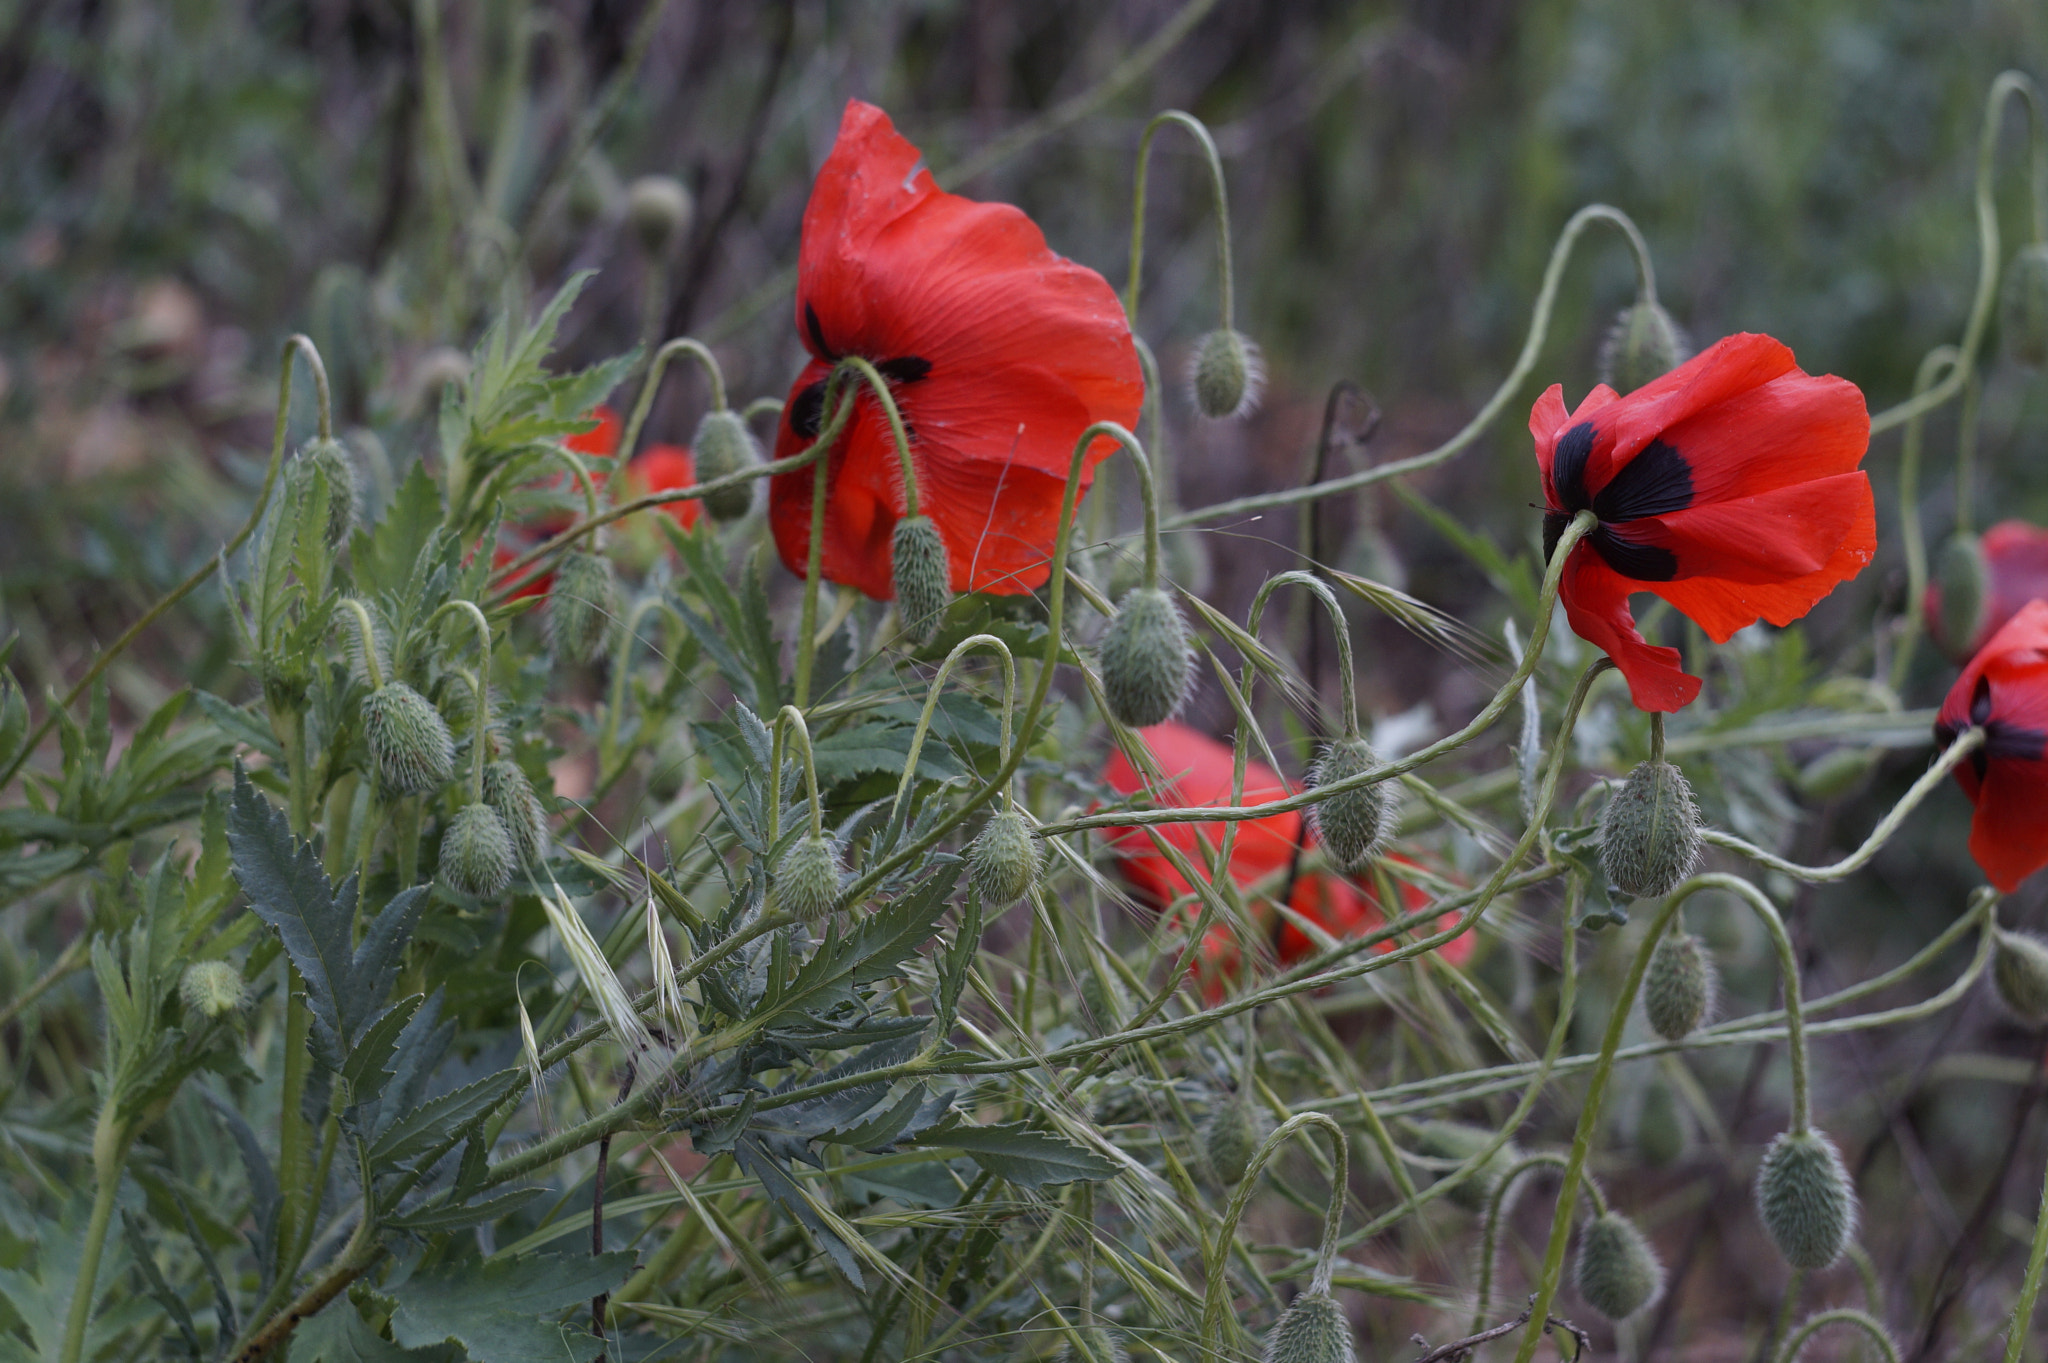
{"points": [[1654, 483], [2003, 741], [807, 408]]}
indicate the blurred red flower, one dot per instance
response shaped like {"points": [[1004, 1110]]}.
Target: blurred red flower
{"points": [[998, 351], [2005, 691], [2015, 572], [1729, 487], [601, 441], [663, 468]]}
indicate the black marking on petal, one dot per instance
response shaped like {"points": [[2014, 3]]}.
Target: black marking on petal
{"points": [[1642, 562], [1554, 523], [1568, 466], [904, 368], [1654, 482], [1980, 702], [824, 351], [2009, 742], [807, 409]]}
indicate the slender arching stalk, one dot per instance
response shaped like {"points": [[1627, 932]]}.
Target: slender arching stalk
{"points": [[1940, 358], [2030, 1288], [1340, 626], [901, 434], [642, 405], [1496, 1203], [1216, 1294], [1863, 1321], [578, 470], [794, 718], [931, 705], [373, 671], [1219, 194]]}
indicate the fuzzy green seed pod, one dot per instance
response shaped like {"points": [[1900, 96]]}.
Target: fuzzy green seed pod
{"points": [[1313, 1329], [507, 791], [212, 989], [722, 447], [1232, 1136], [658, 209], [921, 575], [1147, 663], [1003, 859], [1102, 1345], [581, 606], [1643, 344], [2019, 972], [1617, 1272], [329, 460], [1650, 834], [1961, 594], [476, 852], [1662, 1131], [1461, 1141], [1352, 824], [808, 877], [2023, 307], [1678, 988], [1806, 1200], [1227, 375], [410, 746]]}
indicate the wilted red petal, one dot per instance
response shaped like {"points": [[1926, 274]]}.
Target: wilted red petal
{"points": [[2005, 690]]}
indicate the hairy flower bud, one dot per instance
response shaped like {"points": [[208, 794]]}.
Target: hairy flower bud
{"points": [[1662, 1132], [511, 795], [722, 447], [212, 989], [1313, 1329], [1232, 1136], [1961, 594], [1350, 825], [1643, 344], [1805, 1199], [2019, 972], [476, 852], [1147, 663], [1461, 1141], [1678, 988], [410, 746], [329, 461], [1003, 859], [1227, 375], [2023, 308], [921, 575], [808, 877], [1650, 834], [658, 209], [581, 606], [1617, 1272]]}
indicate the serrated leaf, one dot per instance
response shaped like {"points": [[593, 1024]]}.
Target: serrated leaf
{"points": [[368, 1065], [494, 1309], [455, 1218], [422, 1128], [384, 555], [1020, 1154], [339, 1334], [878, 746]]}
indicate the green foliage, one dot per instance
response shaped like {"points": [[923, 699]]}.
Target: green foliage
{"points": [[490, 1308]]}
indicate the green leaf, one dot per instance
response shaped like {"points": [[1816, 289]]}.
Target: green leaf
{"points": [[422, 1128], [384, 556], [1014, 1151], [455, 1218], [369, 1060], [339, 1334], [878, 746], [494, 1309]]}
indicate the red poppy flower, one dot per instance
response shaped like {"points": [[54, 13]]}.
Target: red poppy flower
{"points": [[2015, 572], [601, 441], [1729, 487], [999, 354], [663, 468], [2005, 690], [1349, 908]]}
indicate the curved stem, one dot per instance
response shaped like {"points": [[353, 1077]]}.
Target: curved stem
{"points": [[795, 719], [1496, 1203], [931, 704], [901, 433], [1656, 736], [682, 345], [2030, 1287], [1931, 364], [109, 1146], [373, 671], [1215, 1294], [581, 473], [1788, 976], [1966, 453], [1219, 195], [481, 741], [1340, 626], [1845, 1315]]}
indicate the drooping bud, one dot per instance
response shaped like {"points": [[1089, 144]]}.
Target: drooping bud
{"points": [[1350, 825], [410, 746], [1232, 1135], [808, 877], [1959, 595], [1100, 1344], [1003, 859], [2019, 972], [2023, 309], [511, 795], [1678, 987], [1461, 1141], [921, 575], [1650, 834], [1617, 1272], [1643, 344], [658, 210], [722, 447], [476, 852], [1147, 663], [1227, 375], [1662, 1131], [329, 461], [1806, 1200], [1313, 1329], [581, 606], [212, 989]]}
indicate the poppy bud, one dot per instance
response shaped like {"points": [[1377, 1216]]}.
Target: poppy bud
{"points": [[518, 807], [476, 852], [2023, 310], [1805, 1199], [581, 606], [2019, 971], [1231, 1137], [1643, 344], [1147, 664], [808, 876], [722, 447], [1837, 772], [330, 460], [1961, 594], [1460, 1141], [1351, 824], [1313, 1329], [1617, 1272], [1650, 834], [1678, 988], [410, 746], [1101, 1344], [658, 208], [1662, 1132], [1227, 376], [921, 575], [212, 989], [1003, 859]]}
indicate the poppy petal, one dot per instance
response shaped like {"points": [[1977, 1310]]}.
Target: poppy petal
{"points": [[2009, 835], [1721, 606], [1790, 532], [1731, 366], [1596, 603], [1548, 420], [1794, 429]]}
